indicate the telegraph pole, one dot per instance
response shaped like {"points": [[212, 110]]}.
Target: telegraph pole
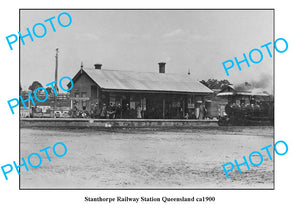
{"points": [[55, 86]]}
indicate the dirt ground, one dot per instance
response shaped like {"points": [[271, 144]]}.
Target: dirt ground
{"points": [[135, 158]]}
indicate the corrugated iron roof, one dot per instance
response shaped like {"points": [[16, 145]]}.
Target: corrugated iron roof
{"points": [[145, 81]]}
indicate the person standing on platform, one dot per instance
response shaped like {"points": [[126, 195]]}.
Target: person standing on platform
{"points": [[118, 111], [103, 112], [204, 112], [201, 111], [139, 111]]}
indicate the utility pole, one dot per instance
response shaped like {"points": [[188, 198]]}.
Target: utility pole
{"points": [[56, 67], [55, 86]]}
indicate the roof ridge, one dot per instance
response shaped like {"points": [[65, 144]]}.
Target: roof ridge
{"points": [[127, 71]]}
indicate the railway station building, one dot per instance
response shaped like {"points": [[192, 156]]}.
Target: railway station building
{"points": [[147, 95]]}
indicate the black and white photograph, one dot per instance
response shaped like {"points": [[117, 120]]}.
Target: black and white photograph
{"points": [[146, 99], [149, 108]]}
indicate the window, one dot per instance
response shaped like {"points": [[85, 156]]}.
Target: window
{"points": [[94, 92]]}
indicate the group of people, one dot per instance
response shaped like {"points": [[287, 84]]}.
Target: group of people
{"points": [[118, 111], [76, 113], [113, 111], [199, 113]]}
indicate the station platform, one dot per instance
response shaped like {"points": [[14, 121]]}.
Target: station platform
{"points": [[115, 123]]}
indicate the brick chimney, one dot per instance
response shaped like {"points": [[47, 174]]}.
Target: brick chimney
{"points": [[162, 67], [98, 66]]}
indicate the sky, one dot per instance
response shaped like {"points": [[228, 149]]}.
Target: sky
{"points": [[198, 41]]}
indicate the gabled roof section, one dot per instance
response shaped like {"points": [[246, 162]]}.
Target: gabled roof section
{"points": [[143, 81], [242, 89], [77, 76]]}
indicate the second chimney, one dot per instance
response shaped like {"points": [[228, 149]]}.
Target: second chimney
{"points": [[98, 66], [162, 67]]}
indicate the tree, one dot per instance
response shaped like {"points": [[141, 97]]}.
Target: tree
{"points": [[215, 84], [49, 90], [223, 83], [35, 85], [204, 82]]}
